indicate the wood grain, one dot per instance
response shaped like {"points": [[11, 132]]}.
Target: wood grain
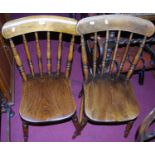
{"points": [[115, 22], [47, 99], [110, 101], [39, 23]]}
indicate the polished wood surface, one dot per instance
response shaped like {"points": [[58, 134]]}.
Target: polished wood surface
{"points": [[115, 22], [110, 101], [108, 95], [47, 99], [39, 23]]}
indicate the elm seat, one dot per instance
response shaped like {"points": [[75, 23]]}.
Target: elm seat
{"points": [[40, 101], [46, 95], [110, 101], [108, 95]]}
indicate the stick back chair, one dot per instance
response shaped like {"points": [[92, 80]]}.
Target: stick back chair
{"points": [[46, 97], [108, 96]]}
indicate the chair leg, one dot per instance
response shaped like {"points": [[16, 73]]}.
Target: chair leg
{"points": [[141, 77], [82, 125], [25, 131], [128, 128], [75, 121]]}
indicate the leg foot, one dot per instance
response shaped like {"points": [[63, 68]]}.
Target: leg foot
{"points": [[81, 127], [25, 131], [128, 128]]}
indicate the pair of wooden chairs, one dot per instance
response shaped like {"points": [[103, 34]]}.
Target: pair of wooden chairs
{"points": [[107, 95]]}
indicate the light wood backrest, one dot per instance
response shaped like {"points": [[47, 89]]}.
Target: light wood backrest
{"points": [[38, 23], [119, 24], [115, 22], [35, 24]]}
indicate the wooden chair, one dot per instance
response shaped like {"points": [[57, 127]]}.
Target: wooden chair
{"points": [[143, 133], [108, 95], [46, 97]]}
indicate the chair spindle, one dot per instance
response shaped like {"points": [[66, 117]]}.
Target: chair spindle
{"points": [[70, 57], [94, 54], [27, 53], [48, 54], [105, 52], [135, 61], [39, 54], [59, 54], [125, 55], [115, 52], [84, 59], [18, 60]]}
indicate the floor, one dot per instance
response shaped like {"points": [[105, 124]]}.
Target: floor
{"points": [[92, 133]]}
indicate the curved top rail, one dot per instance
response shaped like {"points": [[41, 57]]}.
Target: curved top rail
{"points": [[115, 22], [39, 23]]}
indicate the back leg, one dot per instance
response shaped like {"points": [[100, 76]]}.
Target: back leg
{"points": [[25, 130], [83, 121], [128, 128]]}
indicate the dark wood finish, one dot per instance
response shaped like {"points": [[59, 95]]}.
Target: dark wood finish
{"points": [[6, 65], [108, 96], [6, 78], [95, 54], [46, 97], [25, 130], [128, 128]]}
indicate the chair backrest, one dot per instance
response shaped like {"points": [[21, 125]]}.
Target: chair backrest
{"points": [[35, 24], [97, 27]]}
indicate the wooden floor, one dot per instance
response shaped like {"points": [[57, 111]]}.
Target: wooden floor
{"points": [[110, 101], [47, 99]]}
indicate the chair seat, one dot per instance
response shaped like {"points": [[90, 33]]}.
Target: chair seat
{"points": [[47, 99], [110, 101]]}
